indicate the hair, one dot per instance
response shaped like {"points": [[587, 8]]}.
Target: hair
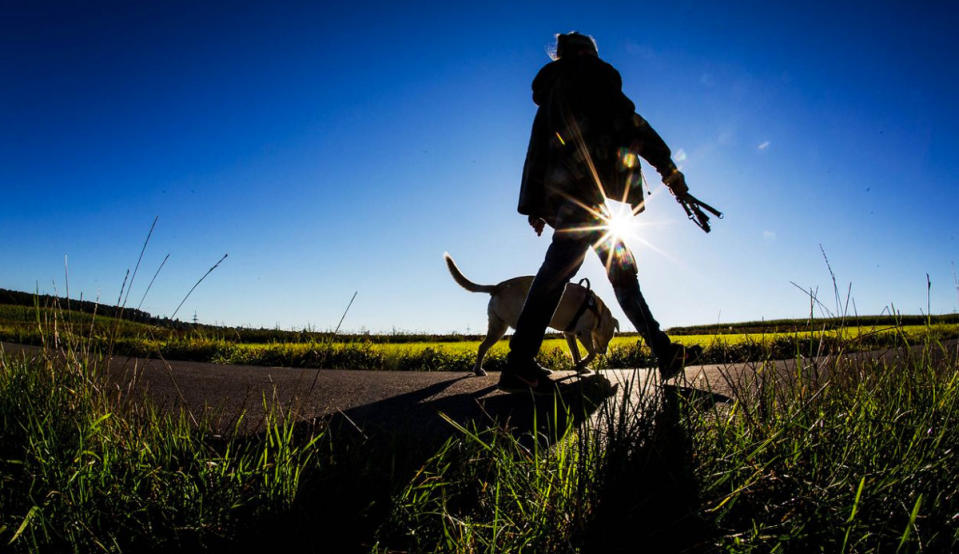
{"points": [[573, 43]]}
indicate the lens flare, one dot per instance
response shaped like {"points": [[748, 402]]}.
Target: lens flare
{"points": [[620, 224], [617, 223], [614, 222]]}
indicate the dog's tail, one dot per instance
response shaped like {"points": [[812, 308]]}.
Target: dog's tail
{"points": [[461, 279]]}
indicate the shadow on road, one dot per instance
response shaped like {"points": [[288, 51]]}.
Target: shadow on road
{"points": [[648, 492], [376, 449], [702, 399], [414, 417]]}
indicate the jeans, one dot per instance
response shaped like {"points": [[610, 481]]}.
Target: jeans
{"points": [[564, 257]]}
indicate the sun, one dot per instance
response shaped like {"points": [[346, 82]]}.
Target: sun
{"points": [[618, 222], [614, 224]]}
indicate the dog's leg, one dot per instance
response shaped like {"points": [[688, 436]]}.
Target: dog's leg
{"points": [[587, 340], [573, 349], [497, 328]]}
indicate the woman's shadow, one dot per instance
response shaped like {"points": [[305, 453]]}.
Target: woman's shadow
{"points": [[376, 449], [425, 418], [649, 494]]}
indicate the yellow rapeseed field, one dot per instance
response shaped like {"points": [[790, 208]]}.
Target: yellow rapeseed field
{"points": [[705, 341]]}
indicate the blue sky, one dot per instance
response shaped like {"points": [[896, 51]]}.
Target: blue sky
{"points": [[341, 148]]}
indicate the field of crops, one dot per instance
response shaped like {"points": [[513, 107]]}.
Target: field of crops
{"points": [[704, 340], [227, 345]]}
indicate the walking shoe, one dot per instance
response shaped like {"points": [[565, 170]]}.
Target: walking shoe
{"points": [[513, 383], [527, 376], [583, 371], [677, 358], [527, 368]]}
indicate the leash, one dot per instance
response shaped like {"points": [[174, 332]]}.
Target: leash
{"points": [[589, 303]]}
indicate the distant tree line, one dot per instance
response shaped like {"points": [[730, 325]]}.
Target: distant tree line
{"points": [[235, 334], [266, 335], [812, 324], [18, 298]]}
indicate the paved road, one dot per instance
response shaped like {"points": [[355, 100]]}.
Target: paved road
{"points": [[392, 401], [370, 401]]}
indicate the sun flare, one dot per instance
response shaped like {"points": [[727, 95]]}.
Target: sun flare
{"points": [[618, 222], [621, 224]]}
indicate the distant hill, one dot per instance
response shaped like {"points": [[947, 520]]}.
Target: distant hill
{"points": [[17, 298]]}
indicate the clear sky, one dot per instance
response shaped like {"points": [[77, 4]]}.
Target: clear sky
{"points": [[344, 147]]}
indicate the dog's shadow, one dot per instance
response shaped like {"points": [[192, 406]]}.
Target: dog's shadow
{"points": [[546, 417], [424, 419], [701, 399]]}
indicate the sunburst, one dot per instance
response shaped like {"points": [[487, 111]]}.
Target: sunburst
{"points": [[615, 221]]}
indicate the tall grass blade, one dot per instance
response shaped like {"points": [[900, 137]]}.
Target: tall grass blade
{"points": [[26, 522], [139, 259], [142, 298], [209, 271], [912, 522], [852, 514]]}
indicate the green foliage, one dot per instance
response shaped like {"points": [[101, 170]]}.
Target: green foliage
{"points": [[83, 470], [840, 454], [619, 480], [857, 456]]}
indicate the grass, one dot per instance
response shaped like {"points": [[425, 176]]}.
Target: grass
{"points": [[845, 454], [855, 456], [85, 469]]}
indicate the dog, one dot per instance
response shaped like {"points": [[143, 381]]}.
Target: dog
{"points": [[580, 315]]}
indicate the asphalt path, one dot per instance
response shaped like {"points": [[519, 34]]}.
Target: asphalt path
{"points": [[367, 401], [370, 402]]}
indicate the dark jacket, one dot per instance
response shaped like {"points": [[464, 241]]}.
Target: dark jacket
{"points": [[585, 130]]}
